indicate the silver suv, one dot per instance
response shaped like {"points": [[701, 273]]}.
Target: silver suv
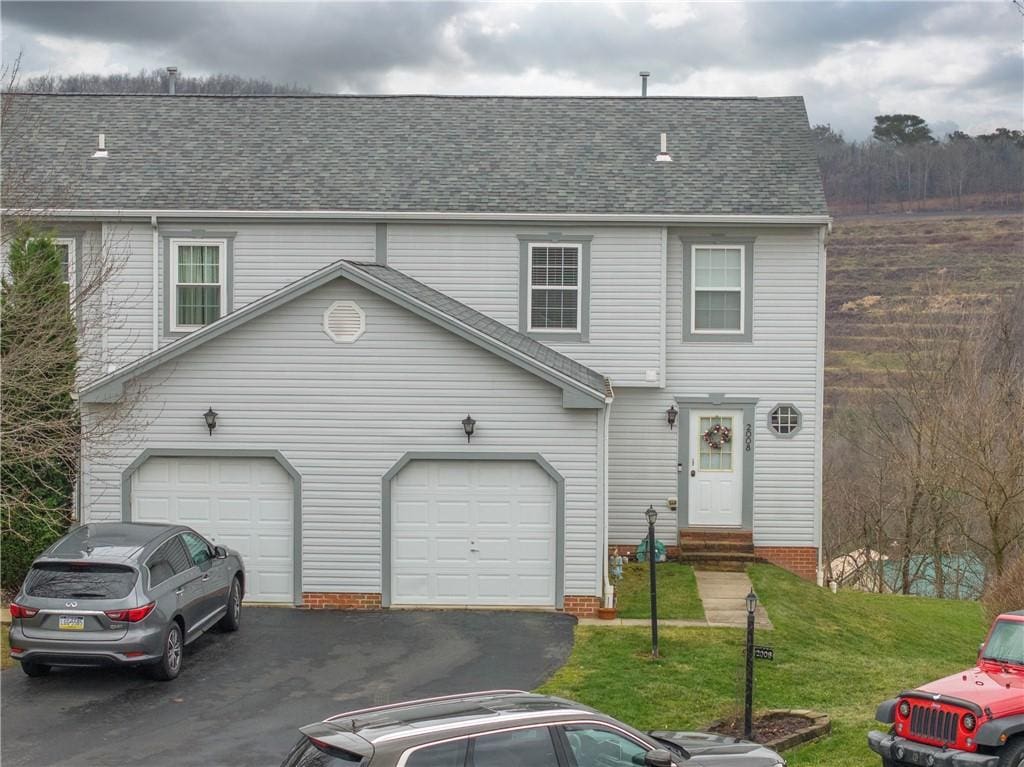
{"points": [[124, 594]]}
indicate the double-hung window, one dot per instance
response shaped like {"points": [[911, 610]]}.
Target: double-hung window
{"points": [[718, 280], [66, 247], [198, 283], [554, 289]]}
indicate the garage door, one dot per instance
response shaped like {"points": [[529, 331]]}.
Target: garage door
{"points": [[473, 533], [243, 503]]}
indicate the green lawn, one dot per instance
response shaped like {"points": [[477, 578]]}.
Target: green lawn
{"points": [[839, 653], [677, 592]]}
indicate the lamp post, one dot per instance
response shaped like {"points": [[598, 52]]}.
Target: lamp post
{"points": [[652, 517], [748, 701]]}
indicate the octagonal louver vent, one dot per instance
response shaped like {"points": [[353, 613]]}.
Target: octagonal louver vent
{"points": [[344, 321]]}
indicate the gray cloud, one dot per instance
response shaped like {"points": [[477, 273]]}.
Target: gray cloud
{"points": [[814, 49]]}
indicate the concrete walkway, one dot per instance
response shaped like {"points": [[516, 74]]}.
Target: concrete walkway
{"points": [[724, 597]]}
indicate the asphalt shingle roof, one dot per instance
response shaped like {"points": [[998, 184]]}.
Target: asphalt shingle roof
{"points": [[738, 156], [498, 331]]}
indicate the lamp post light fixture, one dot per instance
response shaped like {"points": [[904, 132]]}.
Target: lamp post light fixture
{"points": [[210, 416], [748, 699], [468, 426], [671, 415], [652, 517]]}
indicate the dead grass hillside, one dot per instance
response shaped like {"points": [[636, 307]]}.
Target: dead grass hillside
{"points": [[880, 269]]}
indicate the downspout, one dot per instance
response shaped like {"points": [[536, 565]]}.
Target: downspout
{"points": [[609, 590], [156, 282]]}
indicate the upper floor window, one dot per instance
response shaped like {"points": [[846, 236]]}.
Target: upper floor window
{"points": [[198, 283], [554, 287], [718, 285], [66, 247], [717, 279]]}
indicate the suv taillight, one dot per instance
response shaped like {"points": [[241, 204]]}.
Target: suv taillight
{"points": [[19, 611], [134, 615]]}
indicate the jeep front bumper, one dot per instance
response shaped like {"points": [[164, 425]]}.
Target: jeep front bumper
{"points": [[907, 752]]}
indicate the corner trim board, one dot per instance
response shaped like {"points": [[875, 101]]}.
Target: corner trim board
{"points": [[470, 455], [276, 455]]}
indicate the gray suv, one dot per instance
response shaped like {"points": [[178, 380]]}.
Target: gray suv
{"points": [[508, 728], [124, 594]]}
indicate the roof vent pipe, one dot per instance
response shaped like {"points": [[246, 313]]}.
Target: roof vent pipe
{"points": [[663, 155], [101, 146], [172, 77], [643, 83]]}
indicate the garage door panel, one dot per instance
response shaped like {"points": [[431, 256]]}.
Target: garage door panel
{"points": [[411, 550], [453, 513], [246, 504], [481, 542]]}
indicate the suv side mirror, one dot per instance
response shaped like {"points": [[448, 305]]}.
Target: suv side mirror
{"points": [[659, 757], [219, 552]]}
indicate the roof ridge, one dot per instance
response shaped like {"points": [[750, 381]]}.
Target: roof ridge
{"points": [[384, 96]]}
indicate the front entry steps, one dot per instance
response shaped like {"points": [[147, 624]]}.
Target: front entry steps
{"points": [[716, 549]]}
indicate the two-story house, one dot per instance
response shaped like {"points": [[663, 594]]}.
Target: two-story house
{"points": [[445, 350]]}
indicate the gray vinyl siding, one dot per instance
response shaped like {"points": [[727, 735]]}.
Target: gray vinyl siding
{"points": [[779, 365], [479, 266], [343, 414], [265, 257]]}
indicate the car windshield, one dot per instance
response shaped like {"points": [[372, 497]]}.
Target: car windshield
{"points": [[75, 580], [1006, 644]]}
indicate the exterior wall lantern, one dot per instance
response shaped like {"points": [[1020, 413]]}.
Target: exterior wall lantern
{"points": [[671, 415], [211, 420], [469, 426]]}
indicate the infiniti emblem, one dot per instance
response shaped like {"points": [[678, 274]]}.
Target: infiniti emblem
{"points": [[71, 604]]}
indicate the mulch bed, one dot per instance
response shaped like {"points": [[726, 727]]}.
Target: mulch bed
{"points": [[778, 729]]}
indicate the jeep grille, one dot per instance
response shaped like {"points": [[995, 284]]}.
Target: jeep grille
{"points": [[933, 723]]}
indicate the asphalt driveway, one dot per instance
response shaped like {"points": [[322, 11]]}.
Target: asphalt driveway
{"points": [[240, 697]]}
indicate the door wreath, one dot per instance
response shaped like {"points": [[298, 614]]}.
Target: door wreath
{"points": [[717, 436]]}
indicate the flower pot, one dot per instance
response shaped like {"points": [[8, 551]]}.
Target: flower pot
{"points": [[606, 613]]}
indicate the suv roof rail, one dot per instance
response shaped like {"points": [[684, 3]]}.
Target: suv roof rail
{"points": [[404, 703]]}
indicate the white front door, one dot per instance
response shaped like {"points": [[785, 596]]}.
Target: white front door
{"points": [[716, 468], [473, 533]]}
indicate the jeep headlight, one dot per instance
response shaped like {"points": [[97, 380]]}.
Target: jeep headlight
{"points": [[969, 722]]}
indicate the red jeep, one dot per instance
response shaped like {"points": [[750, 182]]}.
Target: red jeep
{"points": [[971, 719]]}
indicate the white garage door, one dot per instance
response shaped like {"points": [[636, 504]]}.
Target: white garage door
{"points": [[473, 533], [243, 503]]}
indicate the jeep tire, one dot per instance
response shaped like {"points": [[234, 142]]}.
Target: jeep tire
{"points": [[1012, 754]]}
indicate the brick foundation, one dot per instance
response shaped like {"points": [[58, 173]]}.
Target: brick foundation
{"points": [[329, 600], [581, 607], [802, 560]]}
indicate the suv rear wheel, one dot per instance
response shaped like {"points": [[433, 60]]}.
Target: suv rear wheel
{"points": [[34, 669], [169, 665]]}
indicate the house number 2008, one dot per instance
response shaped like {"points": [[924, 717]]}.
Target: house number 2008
{"points": [[748, 437]]}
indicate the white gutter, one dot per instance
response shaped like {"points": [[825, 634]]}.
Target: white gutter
{"points": [[156, 283], [377, 215], [609, 590]]}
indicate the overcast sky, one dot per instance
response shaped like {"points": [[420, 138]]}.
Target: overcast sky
{"points": [[959, 65]]}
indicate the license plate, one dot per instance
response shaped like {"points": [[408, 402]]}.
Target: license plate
{"points": [[71, 623]]}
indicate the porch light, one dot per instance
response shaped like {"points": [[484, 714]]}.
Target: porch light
{"points": [[751, 602], [652, 515], [468, 426], [211, 420], [671, 415]]}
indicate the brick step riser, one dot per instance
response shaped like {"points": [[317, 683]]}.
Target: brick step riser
{"points": [[693, 559], [688, 547], [720, 567]]}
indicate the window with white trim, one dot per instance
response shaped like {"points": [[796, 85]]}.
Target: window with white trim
{"points": [[554, 289], [784, 420], [66, 247], [198, 283], [717, 280]]}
